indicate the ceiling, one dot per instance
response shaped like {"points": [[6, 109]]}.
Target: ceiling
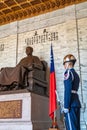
{"points": [[12, 10]]}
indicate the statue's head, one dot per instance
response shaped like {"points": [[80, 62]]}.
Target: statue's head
{"points": [[29, 50]]}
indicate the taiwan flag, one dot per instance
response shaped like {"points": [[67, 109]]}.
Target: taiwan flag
{"points": [[52, 89]]}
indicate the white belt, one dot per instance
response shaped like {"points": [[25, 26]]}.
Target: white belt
{"points": [[74, 91]]}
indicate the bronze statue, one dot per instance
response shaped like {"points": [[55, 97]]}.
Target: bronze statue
{"points": [[10, 75]]}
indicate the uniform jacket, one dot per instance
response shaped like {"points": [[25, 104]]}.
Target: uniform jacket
{"points": [[71, 82]]}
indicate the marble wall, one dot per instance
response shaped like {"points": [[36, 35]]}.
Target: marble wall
{"points": [[66, 29]]}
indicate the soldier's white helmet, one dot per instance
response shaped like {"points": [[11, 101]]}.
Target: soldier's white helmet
{"points": [[69, 58]]}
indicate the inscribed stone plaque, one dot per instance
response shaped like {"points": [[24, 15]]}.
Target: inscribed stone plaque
{"points": [[10, 109]]}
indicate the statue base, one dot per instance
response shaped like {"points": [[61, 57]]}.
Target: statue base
{"points": [[23, 110]]}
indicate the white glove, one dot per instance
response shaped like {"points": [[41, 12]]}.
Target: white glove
{"points": [[66, 110]]}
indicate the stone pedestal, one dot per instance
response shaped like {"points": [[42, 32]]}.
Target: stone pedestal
{"points": [[22, 110]]}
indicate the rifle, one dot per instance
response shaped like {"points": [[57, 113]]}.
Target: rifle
{"points": [[60, 103]]}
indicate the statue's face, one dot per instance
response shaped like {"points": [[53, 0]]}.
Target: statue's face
{"points": [[28, 51]]}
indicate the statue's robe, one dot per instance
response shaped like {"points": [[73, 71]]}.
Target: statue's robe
{"points": [[10, 75]]}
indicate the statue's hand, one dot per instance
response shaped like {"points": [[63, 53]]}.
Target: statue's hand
{"points": [[29, 67]]}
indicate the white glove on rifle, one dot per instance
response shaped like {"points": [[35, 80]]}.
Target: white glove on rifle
{"points": [[65, 110]]}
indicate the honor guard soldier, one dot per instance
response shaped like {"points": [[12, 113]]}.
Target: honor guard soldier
{"points": [[72, 103]]}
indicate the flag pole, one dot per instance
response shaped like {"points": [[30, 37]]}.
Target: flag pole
{"points": [[54, 123], [52, 97]]}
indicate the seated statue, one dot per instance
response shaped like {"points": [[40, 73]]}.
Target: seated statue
{"points": [[10, 75]]}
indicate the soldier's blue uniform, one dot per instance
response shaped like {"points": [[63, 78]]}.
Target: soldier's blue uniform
{"points": [[71, 100]]}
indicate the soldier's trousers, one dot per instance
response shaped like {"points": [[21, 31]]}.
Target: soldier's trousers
{"points": [[72, 119]]}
